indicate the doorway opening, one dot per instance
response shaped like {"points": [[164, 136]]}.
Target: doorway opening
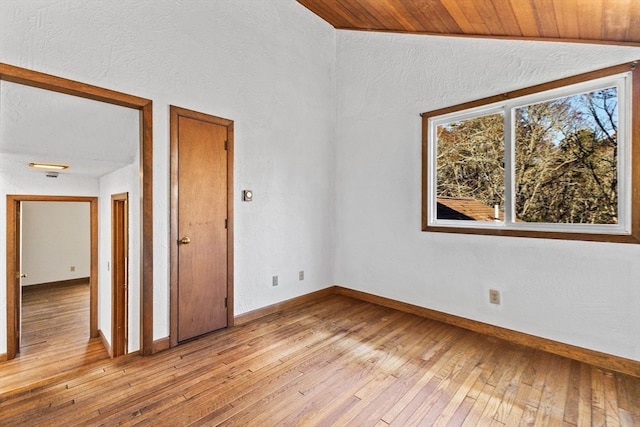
{"points": [[48, 82], [119, 273], [24, 243]]}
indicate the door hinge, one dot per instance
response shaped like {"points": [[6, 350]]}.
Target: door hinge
{"points": [[225, 302], [226, 145], [226, 223]]}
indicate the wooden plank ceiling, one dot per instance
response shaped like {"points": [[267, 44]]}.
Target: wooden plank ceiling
{"points": [[593, 21]]}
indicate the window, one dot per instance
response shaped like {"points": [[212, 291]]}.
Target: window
{"points": [[554, 160]]}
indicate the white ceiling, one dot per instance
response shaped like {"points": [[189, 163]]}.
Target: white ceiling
{"points": [[94, 138]]}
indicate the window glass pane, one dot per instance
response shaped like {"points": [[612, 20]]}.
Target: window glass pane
{"points": [[566, 159], [470, 169]]}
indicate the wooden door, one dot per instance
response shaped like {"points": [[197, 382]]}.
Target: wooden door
{"points": [[119, 273], [200, 205]]}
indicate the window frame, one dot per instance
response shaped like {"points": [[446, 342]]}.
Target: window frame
{"points": [[629, 189]]}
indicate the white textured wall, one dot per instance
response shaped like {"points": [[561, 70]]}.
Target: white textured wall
{"points": [[337, 198], [586, 294], [266, 64], [124, 180], [55, 237]]}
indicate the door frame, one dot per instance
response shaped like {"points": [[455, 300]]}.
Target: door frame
{"points": [[32, 78], [13, 286], [119, 267], [174, 114]]}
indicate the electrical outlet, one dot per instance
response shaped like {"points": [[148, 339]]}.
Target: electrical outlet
{"points": [[274, 281], [301, 275], [494, 296], [72, 268]]}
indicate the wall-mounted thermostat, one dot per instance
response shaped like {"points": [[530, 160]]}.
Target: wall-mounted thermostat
{"points": [[247, 195]]}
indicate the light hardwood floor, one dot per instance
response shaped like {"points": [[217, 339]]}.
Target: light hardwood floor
{"points": [[55, 337], [338, 361]]}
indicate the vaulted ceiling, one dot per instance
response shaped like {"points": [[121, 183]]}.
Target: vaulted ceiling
{"points": [[593, 21]]}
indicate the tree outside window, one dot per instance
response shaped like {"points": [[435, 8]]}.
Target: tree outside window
{"points": [[552, 159]]}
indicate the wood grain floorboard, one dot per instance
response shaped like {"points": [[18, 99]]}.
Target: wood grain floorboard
{"points": [[55, 338], [334, 362]]}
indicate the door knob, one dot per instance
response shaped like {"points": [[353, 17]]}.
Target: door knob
{"points": [[185, 240]]}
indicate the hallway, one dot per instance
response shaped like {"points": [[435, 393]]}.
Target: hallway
{"points": [[55, 337]]}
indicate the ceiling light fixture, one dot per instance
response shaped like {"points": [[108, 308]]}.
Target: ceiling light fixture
{"points": [[48, 166]]}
